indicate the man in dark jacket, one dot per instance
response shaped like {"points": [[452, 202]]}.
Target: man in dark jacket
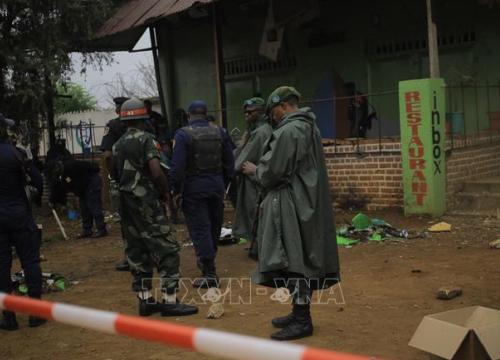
{"points": [[82, 179], [17, 227], [202, 166], [296, 236]]}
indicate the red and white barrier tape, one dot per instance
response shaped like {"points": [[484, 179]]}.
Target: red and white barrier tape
{"points": [[216, 343]]}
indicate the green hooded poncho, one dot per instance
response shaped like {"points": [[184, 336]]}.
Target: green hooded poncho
{"points": [[296, 231], [248, 188]]}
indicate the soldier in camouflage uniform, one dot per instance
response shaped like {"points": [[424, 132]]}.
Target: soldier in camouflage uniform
{"points": [[149, 241]]}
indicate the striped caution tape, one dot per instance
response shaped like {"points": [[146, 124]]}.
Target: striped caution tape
{"points": [[216, 343]]}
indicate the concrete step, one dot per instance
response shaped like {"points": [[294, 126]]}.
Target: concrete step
{"points": [[487, 185], [473, 202]]}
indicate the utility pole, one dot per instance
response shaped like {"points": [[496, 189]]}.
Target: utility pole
{"points": [[432, 43], [219, 61]]}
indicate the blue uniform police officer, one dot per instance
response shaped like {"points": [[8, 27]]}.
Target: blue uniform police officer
{"points": [[17, 227], [202, 166]]}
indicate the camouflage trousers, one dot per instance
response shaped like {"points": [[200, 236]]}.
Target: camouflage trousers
{"points": [[149, 242]]}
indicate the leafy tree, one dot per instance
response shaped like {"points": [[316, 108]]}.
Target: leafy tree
{"points": [[73, 97], [36, 39]]}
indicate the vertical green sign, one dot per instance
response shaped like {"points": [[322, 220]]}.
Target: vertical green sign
{"points": [[422, 117]]}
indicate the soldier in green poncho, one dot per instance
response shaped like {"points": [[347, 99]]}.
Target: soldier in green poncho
{"points": [[252, 149], [296, 233]]}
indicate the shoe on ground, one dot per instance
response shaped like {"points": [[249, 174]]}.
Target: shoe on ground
{"points": [[148, 307], [9, 321], [283, 321], [84, 235], [206, 282], [123, 266], [297, 329], [34, 321], [101, 233], [177, 309]]}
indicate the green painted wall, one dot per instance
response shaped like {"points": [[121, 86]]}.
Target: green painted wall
{"points": [[358, 26]]}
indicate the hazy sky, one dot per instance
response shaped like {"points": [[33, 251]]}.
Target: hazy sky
{"points": [[124, 63]]}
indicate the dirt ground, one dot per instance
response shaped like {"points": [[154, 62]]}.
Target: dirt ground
{"points": [[387, 287]]}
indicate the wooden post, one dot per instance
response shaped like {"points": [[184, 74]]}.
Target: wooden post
{"points": [[219, 61], [49, 106], [154, 51], [432, 43]]}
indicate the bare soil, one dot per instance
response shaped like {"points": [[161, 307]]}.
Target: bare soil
{"points": [[387, 287]]}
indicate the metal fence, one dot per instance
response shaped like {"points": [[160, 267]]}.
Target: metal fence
{"points": [[472, 113], [83, 139]]}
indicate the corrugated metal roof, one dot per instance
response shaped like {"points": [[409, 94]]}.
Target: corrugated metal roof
{"points": [[125, 27]]}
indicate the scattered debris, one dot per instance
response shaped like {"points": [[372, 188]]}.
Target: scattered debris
{"points": [[440, 227], [448, 292], [215, 311], [51, 282], [363, 229], [495, 244], [416, 271]]}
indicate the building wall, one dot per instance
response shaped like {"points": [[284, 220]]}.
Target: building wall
{"points": [[372, 176], [356, 28]]}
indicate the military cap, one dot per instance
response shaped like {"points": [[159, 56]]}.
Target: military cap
{"points": [[281, 94], [255, 101], [198, 107], [6, 122]]}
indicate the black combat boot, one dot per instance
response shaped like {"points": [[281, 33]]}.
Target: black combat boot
{"points": [[34, 321], [123, 265], [9, 321], [84, 235], [177, 309], [301, 326], [283, 321], [209, 278], [148, 307], [101, 233]]}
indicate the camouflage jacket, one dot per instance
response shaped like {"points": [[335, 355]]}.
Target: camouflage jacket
{"points": [[131, 155]]}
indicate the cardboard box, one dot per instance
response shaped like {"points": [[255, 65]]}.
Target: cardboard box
{"points": [[471, 333]]}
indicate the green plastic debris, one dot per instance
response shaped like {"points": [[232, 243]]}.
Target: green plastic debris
{"points": [[380, 222], [342, 241], [376, 237], [361, 221], [60, 284], [23, 289], [242, 241]]}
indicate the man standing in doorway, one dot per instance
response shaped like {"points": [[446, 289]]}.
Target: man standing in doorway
{"points": [[202, 166], [252, 148], [296, 236]]}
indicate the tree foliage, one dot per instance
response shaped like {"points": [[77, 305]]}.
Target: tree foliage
{"points": [[73, 97], [140, 83], [36, 39]]}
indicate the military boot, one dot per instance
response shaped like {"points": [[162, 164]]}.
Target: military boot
{"points": [[9, 321], [283, 321], [209, 278], [177, 309], [34, 321], [301, 325], [148, 307], [101, 233]]}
